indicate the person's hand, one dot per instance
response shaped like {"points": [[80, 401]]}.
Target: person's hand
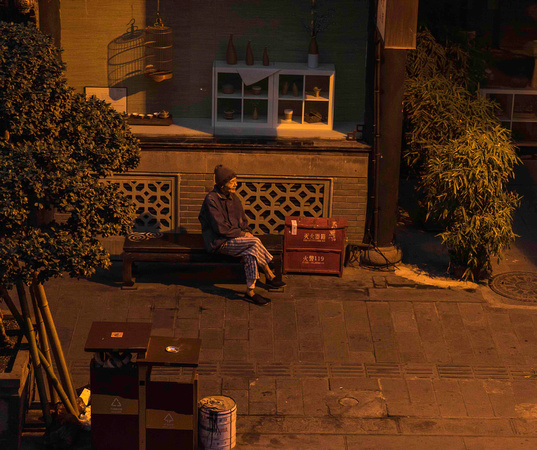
{"points": [[248, 234]]}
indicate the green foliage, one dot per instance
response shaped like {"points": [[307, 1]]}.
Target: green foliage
{"points": [[463, 155], [60, 146], [464, 187], [431, 59]]}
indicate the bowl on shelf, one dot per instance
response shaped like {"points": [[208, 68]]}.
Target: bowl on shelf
{"points": [[228, 114], [227, 89], [256, 90]]}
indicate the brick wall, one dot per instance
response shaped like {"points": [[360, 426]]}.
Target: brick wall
{"points": [[193, 189], [349, 201], [347, 172]]}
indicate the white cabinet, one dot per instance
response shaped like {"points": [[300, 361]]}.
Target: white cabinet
{"points": [[518, 112], [268, 100]]}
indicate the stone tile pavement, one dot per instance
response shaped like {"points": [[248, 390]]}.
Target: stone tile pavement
{"points": [[372, 360], [334, 362]]}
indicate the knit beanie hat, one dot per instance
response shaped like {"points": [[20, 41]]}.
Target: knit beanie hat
{"points": [[222, 175]]}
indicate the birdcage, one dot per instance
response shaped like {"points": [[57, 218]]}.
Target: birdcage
{"points": [[126, 55], [159, 41]]}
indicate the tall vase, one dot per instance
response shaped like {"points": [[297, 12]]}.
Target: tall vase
{"points": [[313, 54], [265, 57], [231, 53], [255, 114], [249, 54]]}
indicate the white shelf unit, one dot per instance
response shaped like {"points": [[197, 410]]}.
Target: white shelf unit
{"points": [[272, 102], [518, 112]]}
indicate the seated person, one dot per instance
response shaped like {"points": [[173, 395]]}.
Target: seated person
{"points": [[225, 230]]}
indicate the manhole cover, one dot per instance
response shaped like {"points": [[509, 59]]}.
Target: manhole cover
{"points": [[516, 285]]}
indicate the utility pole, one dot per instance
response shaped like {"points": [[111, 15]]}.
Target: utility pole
{"points": [[396, 28]]}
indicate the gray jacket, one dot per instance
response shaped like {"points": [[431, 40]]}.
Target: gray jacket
{"points": [[222, 217]]}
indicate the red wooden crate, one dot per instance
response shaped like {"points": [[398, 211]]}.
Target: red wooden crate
{"points": [[314, 245], [314, 261], [314, 232]]}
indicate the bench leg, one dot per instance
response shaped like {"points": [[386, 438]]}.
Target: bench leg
{"points": [[277, 262], [128, 282]]}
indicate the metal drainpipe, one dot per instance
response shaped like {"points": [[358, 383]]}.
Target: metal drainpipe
{"points": [[376, 146]]}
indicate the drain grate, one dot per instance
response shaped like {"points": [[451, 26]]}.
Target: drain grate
{"points": [[274, 370], [310, 370], [419, 371], [516, 285], [491, 373], [449, 371], [239, 369], [384, 370], [207, 368], [523, 372], [347, 370]]}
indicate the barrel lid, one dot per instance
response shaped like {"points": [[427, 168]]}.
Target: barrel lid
{"points": [[217, 403]]}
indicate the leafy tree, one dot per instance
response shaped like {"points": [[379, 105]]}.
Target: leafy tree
{"points": [[57, 146]]}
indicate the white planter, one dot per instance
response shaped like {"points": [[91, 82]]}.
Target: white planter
{"points": [[313, 60]]}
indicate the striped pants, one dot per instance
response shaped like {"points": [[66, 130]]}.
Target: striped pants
{"points": [[252, 252]]}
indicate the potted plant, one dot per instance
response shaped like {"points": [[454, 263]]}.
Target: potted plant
{"points": [[56, 148], [463, 156]]}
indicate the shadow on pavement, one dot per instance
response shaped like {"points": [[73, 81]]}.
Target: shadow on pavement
{"points": [[207, 278], [421, 248]]}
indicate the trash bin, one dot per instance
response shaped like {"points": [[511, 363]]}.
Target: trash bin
{"points": [[169, 408], [114, 390], [129, 410], [314, 245]]}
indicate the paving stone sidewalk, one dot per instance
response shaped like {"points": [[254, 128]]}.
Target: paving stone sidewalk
{"points": [[371, 360], [334, 362]]}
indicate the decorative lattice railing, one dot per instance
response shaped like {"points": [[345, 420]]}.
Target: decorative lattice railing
{"points": [[156, 198], [267, 201]]}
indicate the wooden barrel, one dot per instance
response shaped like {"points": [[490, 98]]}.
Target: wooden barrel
{"points": [[217, 422]]}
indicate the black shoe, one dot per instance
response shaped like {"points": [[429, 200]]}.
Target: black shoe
{"points": [[257, 299], [274, 283]]}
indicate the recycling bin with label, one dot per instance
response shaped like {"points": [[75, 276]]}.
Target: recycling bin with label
{"points": [[169, 408], [130, 410], [115, 385]]}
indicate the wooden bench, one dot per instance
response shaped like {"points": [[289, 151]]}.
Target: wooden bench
{"points": [[186, 249]]}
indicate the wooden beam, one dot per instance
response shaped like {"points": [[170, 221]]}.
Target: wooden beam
{"points": [[397, 21]]}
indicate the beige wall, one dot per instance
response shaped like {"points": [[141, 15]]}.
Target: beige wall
{"points": [[88, 26], [200, 30]]}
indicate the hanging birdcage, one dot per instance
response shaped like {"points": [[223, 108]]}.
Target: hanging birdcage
{"points": [[158, 39], [126, 55]]}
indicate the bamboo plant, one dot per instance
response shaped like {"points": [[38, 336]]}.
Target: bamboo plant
{"points": [[463, 156], [56, 148]]}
